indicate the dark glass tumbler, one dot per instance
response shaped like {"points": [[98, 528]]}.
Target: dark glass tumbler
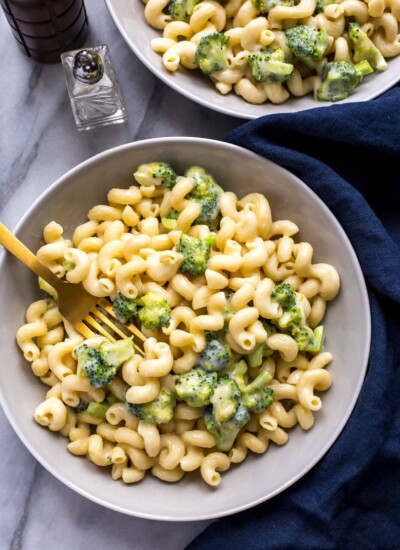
{"points": [[46, 28]]}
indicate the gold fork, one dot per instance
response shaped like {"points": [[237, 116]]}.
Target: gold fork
{"points": [[88, 314]]}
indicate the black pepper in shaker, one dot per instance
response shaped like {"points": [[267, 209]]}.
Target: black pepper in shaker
{"points": [[93, 88], [88, 67]]}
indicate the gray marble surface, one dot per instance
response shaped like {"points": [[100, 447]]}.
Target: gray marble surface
{"points": [[38, 143]]}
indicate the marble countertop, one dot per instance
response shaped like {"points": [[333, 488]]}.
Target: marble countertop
{"points": [[38, 143]]}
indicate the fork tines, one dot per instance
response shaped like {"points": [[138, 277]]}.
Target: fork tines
{"points": [[102, 320]]}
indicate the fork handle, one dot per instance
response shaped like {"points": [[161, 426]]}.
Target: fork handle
{"points": [[20, 251]]}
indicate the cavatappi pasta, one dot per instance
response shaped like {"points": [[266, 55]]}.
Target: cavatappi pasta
{"points": [[269, 50], [231, 306]]}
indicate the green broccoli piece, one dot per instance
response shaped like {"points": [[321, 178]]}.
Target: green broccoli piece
{"points": [[156, 173], [339, 78], [317, 342], [155, 312], [284, 296], [81, 406], [101, 365], [270, 66], [225, 433], [307, 339], [212, 53], [225, 399], [269, 327], [307, 44], [238, 373], [228, 312], [293, 319], [257, 356], [125, 309], [159, 411], [207, 193], [257, 396], [321, 5], [215, 356], [48, 289], [169, 221], [291, 304], [196, 387], [98, 410], [181, 10], [196, 253], [68, 266], [89, 362], [113, 354], [364, 48], [264, 6]]}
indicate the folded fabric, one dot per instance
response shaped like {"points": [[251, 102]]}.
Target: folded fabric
{"points": [[350, 156]]}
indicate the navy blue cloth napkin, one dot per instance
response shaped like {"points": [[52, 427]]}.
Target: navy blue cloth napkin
{"points": [[350, 156]]}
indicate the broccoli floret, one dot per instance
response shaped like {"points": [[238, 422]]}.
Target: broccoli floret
{"points": [[228, 312], [101, 365], [81, 406], [68, 266], [169, 221], [321, 5], [264, 6], [225, 399], [196, 387], [308, 45], [156, 173], [215, 356], [48, 289], [155, 311], [339, 78], [316, 343], [89, 362], [125, 309], [98, 410], [257, 356], [270, 66], [269, 327], [307, 339], [159, 411], [212, 53], [284, 296], [364, 48], [225, 433], [257, 396], [196, 253], [293, 319], [113, 354], [207, 193], [180, 10], [238, 373]]}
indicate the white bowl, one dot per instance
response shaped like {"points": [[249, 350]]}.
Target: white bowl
{"points": [[129, 19], [347, 326]]}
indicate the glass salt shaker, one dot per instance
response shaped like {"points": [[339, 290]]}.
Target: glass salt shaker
{"points": [[93, 88]]}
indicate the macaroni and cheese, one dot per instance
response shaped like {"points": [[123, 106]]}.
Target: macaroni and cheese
{"points": [[231, 307], [269, 50]]}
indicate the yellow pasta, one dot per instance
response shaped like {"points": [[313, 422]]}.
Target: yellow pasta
{"points": [[252, 31], [233, 356]]}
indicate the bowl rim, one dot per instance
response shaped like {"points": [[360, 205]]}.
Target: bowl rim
{"points": [[164, 76], [363, 361]]}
